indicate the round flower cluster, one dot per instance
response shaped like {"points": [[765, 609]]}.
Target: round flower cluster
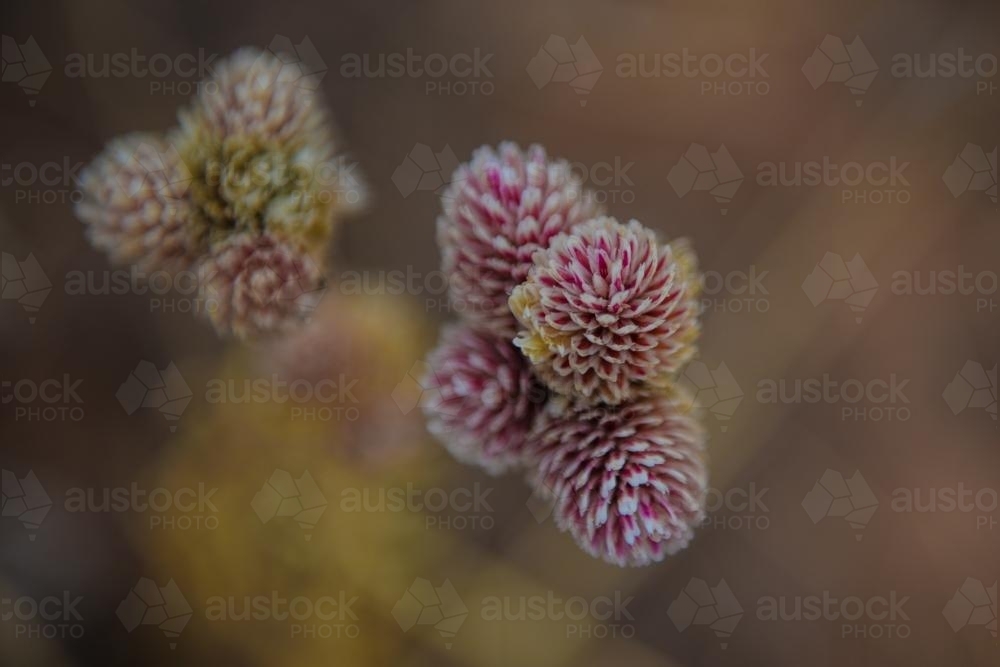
{"points": [[244, 192], [565, 365]]}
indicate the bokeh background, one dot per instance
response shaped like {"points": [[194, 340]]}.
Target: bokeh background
{"points": [[913, 229]]}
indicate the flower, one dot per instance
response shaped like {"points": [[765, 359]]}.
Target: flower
{"points": [[239, 448], [485, 400], [607, 313], [352, 354], [499, 209], [629, 482], [261, 150], [135, 204], [255, 285], [246, 189]]}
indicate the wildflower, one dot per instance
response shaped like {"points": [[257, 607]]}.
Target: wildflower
{"points": [[607, 313], [629, 482], [257, 284], [485, 398], [499, 209], [261, 151], [135, 204], [249, 182]]}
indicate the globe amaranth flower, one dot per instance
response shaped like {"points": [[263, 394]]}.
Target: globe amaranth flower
{"points": [[498, 210], [607, 313], [136, 206], [254, 284], [485, 398], [628, 482], [261, 152]]}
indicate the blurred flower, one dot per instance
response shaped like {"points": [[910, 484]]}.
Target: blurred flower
{"points": [[364, 554], [135, 203], [499, 209], [246, 189], [261, 151], [254, 94], [486, 399], [629, 482], [607, 312], [366, 343], [257, 284]]}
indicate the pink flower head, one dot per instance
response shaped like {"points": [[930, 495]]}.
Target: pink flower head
{"points": [[499, 209], [252, 93], [136, 205], [256, 285], [608, 313], [629, 482], [258, 139], [485, 401]]}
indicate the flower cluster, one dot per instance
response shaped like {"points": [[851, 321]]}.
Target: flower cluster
{"points": [[245, 192], [575, 328]]}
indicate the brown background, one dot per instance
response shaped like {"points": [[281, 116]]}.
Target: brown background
{"points": [[650, 122]]}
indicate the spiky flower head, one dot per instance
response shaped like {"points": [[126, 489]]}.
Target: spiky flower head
{"points": [[607, 313], [136, 206], [484, 398], [628, 482], [257, 284], [499, 209], [258, 142]]}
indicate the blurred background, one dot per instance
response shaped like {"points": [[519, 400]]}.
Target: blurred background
{"points": [[835, 169]]}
